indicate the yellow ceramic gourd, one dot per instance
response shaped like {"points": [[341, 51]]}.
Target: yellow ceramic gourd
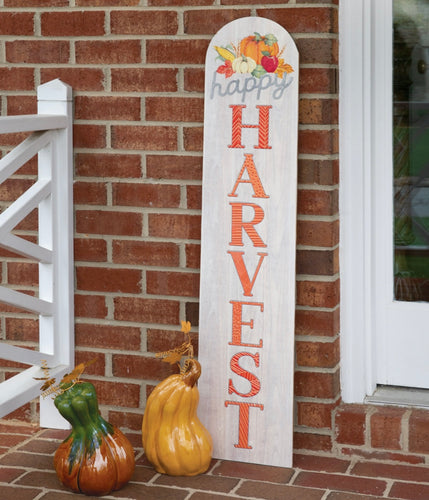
{"points": [[174, 439]]}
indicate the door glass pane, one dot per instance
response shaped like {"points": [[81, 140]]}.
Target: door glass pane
{"points": [[411, 149]]}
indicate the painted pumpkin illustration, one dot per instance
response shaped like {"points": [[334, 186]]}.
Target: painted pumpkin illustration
{"points": [[243, 64], [174, 439], [96, 458], [254, 55], [257, 46]]}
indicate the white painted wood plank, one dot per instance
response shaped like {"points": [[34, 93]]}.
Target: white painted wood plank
{"points": [[19, 389], [62, 223], [28, 148], [26, 248], [24, 301], [31, 123], [23, 355], [57, 332], [21, 207], [54, 91], [22, 388], [50, 417], [247, 298]]}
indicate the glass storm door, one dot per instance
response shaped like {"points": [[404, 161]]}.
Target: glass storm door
{"points": [[403, 278]]}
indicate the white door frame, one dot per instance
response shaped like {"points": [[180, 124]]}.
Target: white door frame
{"points": [[365, 154]]}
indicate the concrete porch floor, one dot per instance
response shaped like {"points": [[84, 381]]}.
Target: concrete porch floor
{"points": [[26, 473]]}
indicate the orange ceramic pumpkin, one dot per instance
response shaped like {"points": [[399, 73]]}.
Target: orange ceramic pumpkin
{"points": [[96, 458], [255, 45]]}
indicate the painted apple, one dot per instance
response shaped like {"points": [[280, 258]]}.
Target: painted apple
{"points": [[269, 63]]}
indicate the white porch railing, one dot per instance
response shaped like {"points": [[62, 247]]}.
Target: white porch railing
{"points": [[52, 195]]}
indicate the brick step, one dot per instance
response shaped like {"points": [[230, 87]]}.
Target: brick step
{"points": [[26, 472]]}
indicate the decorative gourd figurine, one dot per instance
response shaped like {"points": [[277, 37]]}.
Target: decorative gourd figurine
{"points": [[96, 458], [174, 440]]}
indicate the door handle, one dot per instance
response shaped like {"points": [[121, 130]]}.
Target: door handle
{"points": [[421, 66]]}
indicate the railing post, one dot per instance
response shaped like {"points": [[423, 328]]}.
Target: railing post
{"points": [[56, 283]]}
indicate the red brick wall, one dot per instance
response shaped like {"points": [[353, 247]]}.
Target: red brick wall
{"points": [[137, 74], [382, 433]]}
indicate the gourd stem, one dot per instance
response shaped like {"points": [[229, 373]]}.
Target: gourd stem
{"points": [[66, 410], [79, 406], [88, 391], [193, 372]]}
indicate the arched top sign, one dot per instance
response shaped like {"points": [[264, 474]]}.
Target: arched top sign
{"points": [[252, 65], [247, 298]]}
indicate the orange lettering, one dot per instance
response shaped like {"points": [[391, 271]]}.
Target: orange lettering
{"points": [[237, 322], [255, 384], [243, 275], [243, 422], [253, 179], [238, 224], [238, 125]]}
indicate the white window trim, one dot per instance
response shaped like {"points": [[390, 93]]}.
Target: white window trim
{"points": [[365, 143]]}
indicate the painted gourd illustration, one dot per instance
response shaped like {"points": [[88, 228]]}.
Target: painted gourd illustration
{"points": [[96, 458], [174, 439]]}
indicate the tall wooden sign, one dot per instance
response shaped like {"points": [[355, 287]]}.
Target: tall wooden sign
{"points": [[247, 301]]}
